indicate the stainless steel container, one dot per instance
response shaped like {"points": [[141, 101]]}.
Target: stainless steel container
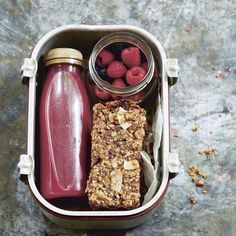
{"points": [[86, 36]]}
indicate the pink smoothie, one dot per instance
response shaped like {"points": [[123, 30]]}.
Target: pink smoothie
{"points": [[65, 127]]}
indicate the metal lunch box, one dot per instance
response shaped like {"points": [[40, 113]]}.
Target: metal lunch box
{"points": [[86, 36]]}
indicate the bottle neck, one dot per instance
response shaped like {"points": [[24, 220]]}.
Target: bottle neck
{"points": [[72, 68]]}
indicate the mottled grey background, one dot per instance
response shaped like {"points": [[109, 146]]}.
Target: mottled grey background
{"points": [[202, 35]]}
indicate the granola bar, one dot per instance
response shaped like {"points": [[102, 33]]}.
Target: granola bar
{"points": [[117, 139], [114, 184]]}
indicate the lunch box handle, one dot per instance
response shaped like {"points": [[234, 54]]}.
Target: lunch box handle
{"points": [[173, 74], [28, 70], [26, 163]]}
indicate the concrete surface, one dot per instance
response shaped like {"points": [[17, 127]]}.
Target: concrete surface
{"points": [[202, 35]]}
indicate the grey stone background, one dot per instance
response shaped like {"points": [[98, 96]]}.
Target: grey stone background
{"points": [[202, 35]]}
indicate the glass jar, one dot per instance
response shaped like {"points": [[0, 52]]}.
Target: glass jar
{"points": [[65, 127], [138, 92]]}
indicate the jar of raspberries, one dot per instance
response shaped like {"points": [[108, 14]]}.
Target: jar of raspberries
{"points": [[122, 66]]}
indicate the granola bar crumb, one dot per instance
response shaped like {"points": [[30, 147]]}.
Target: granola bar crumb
{"points": [[192, 199], [197, 175], [195, 128], [199, 183], [194, 170], [209, 152]]}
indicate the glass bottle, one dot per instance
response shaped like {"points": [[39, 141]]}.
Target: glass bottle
{"points": [[65, 126]]}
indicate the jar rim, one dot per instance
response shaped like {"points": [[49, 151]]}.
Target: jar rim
{"points": [[118, 38]]}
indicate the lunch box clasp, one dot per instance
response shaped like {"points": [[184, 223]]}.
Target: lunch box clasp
{"points": [[173, 164], [28, 70], [26, 164], [172, 70]]}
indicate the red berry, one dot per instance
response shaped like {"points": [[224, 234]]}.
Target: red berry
{"points": [[135, 75], [116, 70], [136, 97], [100, 93], [131, 56], [119, 83], [145, 66], [104, 58]]}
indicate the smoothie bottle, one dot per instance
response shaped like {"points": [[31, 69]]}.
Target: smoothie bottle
{"points": [[65, 127]]}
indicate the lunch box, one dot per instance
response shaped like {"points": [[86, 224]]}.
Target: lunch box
{"points": [[85, 37]]}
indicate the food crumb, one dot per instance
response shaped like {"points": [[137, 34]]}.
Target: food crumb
{"points": [[195, 128], [197, 175], [192, 199], [199, 183], [209, 152], [194, 170]]}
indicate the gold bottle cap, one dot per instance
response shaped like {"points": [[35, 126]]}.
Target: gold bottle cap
{"points": [[63, 55]]}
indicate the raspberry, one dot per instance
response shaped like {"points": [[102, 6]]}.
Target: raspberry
{"points": [[119, 83], [131, 57], [135, 75], [145, 66], [100, 93], [116, 48], [116, 70], [136, 97], [104, 58]]}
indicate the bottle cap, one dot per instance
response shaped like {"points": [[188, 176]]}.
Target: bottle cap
{"points": [[63, 55]]}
